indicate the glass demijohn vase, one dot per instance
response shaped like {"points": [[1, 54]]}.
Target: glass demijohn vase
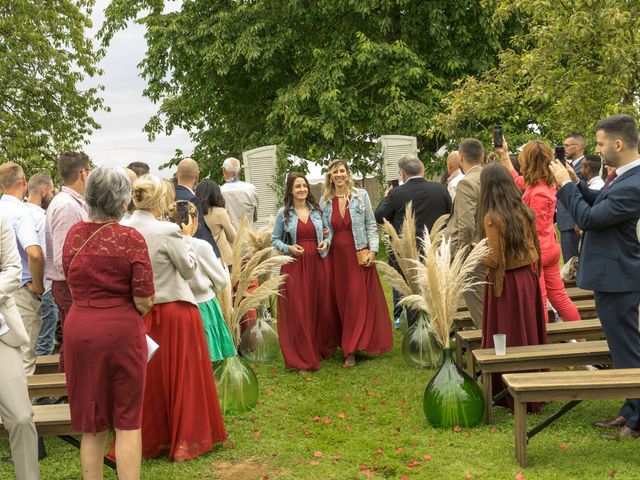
{"points": [[420, 348], [260, 342], [452, 397], [237, 385]]}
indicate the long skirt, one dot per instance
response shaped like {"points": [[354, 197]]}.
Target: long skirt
{"points": [[216, 331]]}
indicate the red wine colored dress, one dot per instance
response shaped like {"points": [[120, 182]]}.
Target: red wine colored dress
{"points": [[104, 335], [304, 314], [359, 298]]}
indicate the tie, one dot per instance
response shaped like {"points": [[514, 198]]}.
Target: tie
{"points": [[610, 179]]}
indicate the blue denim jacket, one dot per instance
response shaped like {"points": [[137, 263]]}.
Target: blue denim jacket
{"points": [[363, 222], [280, 229]]}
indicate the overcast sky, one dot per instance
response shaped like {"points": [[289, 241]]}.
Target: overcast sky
{"points": [[121, 139]]}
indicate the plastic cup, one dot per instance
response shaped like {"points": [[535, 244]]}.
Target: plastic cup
{"points": [[500, 343]]}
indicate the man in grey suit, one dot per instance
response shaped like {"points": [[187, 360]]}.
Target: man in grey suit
{"points": [[15, 406], [461, 228]]}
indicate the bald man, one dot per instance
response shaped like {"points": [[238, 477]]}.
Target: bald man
{"points": [[455, 174], [186, 179]]}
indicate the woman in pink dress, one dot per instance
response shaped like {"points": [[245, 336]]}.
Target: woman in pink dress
{"points": [[359, 298]]}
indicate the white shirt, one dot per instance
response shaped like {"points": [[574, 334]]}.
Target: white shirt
{"points": [[241, 200], [627, 167], [596, 183], [21, 220], [39, 220], [211, 276]]}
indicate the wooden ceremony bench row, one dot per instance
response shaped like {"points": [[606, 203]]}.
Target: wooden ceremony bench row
{"points": [[47, 364], [469, 340], [574, 386], [47, 385], [574, 294], [536, 357], [586, 308]]}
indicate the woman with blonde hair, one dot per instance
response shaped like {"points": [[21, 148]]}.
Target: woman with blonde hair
{"points": [[358, 294], [540, 195], [181, 415]]}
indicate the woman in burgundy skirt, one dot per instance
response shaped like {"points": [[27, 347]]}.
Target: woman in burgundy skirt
{"points": [[109, 273], [358, 295], [306, 323], [512, 299]]}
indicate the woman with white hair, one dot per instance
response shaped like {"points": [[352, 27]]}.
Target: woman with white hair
{"points": [[181, 417], [109, 274], [360, 301]]}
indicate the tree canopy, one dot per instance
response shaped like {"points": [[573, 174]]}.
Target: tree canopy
{"points": [[44, 55], [324, 78], [573, 64]]}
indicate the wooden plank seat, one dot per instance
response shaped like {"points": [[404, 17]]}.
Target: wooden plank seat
{"points": [[47, 385], [469, 340], [47, 364], [536, 357], [574, 386], [574, 293], [586, 308]]}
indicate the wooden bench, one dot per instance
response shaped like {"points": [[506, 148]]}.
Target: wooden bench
{"points": [[558, 386], [469, 340], [574, 293], [586, 308], [47, 364], [47, 385], [536, 357]]}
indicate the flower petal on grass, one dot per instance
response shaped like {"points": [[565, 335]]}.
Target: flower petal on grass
{"points": [[318, 454]]}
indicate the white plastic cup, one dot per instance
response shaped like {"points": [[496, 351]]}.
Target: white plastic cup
{"points": [[500, 343]]}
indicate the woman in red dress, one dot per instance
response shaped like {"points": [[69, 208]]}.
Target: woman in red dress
{"points": [[358, 295], [512, 298], [540, 195], [306, 327], [109, 274], [181, 417]]}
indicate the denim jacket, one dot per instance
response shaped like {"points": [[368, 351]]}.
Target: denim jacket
{"points": [[363, 222], [281, 228]]}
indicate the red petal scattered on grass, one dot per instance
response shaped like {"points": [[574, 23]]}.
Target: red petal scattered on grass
{"points": [[399, 450], [379, 450], [318, 454], [363, 467], [564, 446], [341, 415], [316, 419], [426, 457], [611, 474], [468, 433], [404, 477], [520, 476], [256, 434], [314, 462], [327, 421], [457, 428], [376, 468], [308, 379], [362, 408], [274, 372], [415, 463], [269, 391], [338, 382], [337, 456], [493, 430], [402, 400], [469, 476], [265, 477], [348, 428], [368, 474]]}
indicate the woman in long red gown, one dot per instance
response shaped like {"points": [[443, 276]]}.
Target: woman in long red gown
{"points": [[358, 294], [306, 326], [512, 298]]}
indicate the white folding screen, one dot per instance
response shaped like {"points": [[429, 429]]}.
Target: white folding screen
{"points": [[260, 169], [393, 147]]}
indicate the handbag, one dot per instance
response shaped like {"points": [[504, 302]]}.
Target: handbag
{"points": [[17, 334], [363, 256]]}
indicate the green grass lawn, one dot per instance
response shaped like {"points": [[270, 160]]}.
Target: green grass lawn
{"points": [[368, 422]]}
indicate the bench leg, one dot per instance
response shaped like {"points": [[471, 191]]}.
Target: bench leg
{"points": [[520, 424], [471, 364], [488, 397], [458, 352]]}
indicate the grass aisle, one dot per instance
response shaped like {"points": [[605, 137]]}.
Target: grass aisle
{"points": [[367, 422]]}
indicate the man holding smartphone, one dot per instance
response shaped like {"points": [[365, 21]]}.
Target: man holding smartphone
{"points": [[573, 145]]}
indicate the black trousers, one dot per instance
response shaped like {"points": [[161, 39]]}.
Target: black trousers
{"points": [[620, 319]]}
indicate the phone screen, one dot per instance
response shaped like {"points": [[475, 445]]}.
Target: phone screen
{"points": [[393, 183], [560, 153], [182, 212], [497, 136]]}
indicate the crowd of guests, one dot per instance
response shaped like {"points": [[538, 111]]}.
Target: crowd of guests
{"points": [[123, 260]]}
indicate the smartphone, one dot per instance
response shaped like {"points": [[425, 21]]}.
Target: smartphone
{"points": [[393, 183], [182, 212], [559, 153], [497, 136]]}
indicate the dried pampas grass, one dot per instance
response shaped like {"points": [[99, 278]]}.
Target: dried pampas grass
{"points": [[252, 259]]}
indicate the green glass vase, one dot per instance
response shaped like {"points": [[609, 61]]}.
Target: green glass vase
{"points": [[260, 342], [403, 321], [237, 385], [452, 397], [420, 349]]}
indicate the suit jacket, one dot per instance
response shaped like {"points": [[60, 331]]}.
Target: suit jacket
{"points": [[610, 255], [564, 219], [203, 232], [10, 275], [430, 200], [461, 228]]}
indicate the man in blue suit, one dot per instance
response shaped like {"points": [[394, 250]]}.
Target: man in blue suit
{"points": [[569, 240], [610, 255]]}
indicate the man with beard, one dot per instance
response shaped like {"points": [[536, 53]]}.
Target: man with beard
{"points": [[610, 256], [39, 195]]}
